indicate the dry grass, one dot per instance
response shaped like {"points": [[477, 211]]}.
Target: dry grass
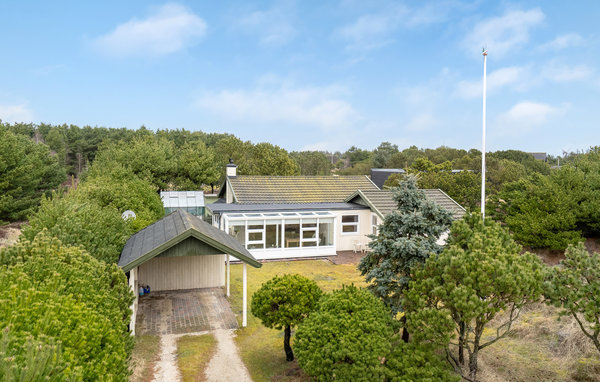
{"points": [[261, 349], [193, 355], [9, 234], [144, 358], [541, 348]]}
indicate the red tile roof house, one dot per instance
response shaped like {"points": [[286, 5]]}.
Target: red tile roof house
{"points": [[282, 217]]}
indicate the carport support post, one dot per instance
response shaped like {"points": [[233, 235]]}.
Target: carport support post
{"points": [[228, 276], [245, 298]]}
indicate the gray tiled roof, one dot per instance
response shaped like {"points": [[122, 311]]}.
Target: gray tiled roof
{"points": [[235, 207], [382, 201], [250, 189], [172, 229]]}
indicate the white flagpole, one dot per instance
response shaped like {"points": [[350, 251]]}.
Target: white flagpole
{"points": [[483, 139]]}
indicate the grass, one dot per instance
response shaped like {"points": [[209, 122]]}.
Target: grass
{"points": [[540, 347], [261, 348], [144, 358], [193, 355]]}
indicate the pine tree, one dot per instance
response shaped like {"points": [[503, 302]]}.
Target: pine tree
{"points": [[406, 239]]}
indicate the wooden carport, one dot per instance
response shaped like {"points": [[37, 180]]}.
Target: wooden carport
{"points": [[181, 251]]}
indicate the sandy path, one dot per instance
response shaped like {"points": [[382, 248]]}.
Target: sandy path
{"points": [[166, 368], [226, 364]]}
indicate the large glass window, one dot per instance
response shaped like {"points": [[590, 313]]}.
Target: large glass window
{"points": [[309, 232], [238, 230], [325, 231], [273, 234], [303, 229], [292, 233], [350, 224], [256, 234]]}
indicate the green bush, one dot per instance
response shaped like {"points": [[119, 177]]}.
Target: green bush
{"points": [[50, 291], [34, 361], [123, 190], [284, 302], [100, 231], [410, 362], [347, 338]]}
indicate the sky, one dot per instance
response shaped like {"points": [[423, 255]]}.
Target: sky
{"points": [[311, 75]]}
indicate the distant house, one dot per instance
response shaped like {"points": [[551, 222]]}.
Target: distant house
{"points": [[278, 217], [380, 175], [540, 156], [189, 201]]}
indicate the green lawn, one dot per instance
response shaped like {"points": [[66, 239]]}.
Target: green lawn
{"points": [[193, 355], [261, 348]]}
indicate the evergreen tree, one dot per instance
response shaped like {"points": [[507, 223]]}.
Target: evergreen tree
{"points": [[456, 295], [406, 239]]}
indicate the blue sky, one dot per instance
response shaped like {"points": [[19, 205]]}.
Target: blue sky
{"points": [[310, 75]]}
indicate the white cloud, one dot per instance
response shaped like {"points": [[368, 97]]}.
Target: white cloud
{"points": [[512, 75], [562, 42], [563, 73], [272, 26], [368, 32], [284, 103], [371, 31], [169, 29], [527, 115], [504, 33], [420, 123], [15, 113]]}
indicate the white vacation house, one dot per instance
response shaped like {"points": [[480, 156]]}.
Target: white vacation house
{"points": [[277, 217]]}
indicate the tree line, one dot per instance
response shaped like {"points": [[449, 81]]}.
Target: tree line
{"points": [[544, 206]]}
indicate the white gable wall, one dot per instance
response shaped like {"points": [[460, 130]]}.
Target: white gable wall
{"points": [[346, 241]]}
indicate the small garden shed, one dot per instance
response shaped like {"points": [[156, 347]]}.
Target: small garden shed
{"points": [[181, 251]]}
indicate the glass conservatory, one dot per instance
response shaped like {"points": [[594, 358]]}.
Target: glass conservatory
{"points": [[282, 234]]}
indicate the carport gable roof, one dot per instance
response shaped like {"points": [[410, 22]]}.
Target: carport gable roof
{"points": [[173, 229]]}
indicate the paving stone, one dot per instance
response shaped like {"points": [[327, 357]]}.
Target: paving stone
{"points": [[184, 311]]}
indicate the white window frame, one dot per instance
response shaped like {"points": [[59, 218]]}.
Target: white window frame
{"points": [[229, 220], [347, 224], [249, 230], [375, 224]]}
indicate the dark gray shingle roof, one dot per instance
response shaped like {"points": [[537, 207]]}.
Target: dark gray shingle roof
{"points": [[171, 230], [380, 175], [382, 201]]}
